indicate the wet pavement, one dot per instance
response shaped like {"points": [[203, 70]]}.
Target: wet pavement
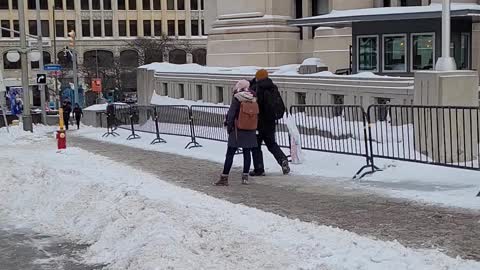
{"points": [[23, 249]]}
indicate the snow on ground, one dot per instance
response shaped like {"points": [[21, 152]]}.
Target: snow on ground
{"points": [[135, 221], [423, 183], [101, 107]]}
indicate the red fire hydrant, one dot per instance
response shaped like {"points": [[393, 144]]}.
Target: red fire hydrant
{"points": [[61, 139]]}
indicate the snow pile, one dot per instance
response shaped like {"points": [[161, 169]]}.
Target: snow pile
{"points": [[15, 135], [164, 100], [135, 221], [313, 62], [249, 71], [101, 107]]}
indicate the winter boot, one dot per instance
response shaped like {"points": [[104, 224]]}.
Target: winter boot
{"points": [[257, 173], [223, 181], [245, 179], [285, 167]]}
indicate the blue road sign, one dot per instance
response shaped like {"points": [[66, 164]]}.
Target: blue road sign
{"points": [[52, 67]]}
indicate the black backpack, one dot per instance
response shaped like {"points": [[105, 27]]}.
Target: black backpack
{"points": [[275, 104]]}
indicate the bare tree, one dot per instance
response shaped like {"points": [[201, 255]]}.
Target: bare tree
{"points": [[151, 49]]}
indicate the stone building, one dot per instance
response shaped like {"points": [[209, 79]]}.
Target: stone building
{"points": [[103, 28], [277, 32]]}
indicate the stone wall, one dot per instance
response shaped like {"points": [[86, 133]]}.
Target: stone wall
{"points": [[216, 88]]}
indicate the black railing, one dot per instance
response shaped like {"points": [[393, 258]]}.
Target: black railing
{"points": [[446, 136]]}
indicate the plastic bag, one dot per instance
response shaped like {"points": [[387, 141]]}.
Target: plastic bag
{"points": [[295, 141]]}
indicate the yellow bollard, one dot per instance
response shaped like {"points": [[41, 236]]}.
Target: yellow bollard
{"points": [[61, 122]]}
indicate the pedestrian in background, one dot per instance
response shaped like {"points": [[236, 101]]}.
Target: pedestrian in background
{"points": [[241, 123], [67, 111], [78, 114]]}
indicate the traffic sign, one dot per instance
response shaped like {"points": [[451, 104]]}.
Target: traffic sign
{"points": [[41, 78], [97, 85], [52, 67]]}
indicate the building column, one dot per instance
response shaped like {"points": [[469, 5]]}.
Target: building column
{"points": [[188, 19], [164, 16], [307, 12]]}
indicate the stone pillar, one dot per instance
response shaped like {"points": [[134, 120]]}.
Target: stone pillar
{"points": [[189, 58], [446, 135], [254, 33]]}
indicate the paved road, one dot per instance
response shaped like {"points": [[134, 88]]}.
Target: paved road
{"points": [[457, 232], [21, 249]]}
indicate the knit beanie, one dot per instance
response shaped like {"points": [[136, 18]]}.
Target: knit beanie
{"points": [[262, 74], [241, 85]]}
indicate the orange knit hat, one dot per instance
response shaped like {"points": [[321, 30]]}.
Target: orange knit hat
{"points": [[262, 74]]}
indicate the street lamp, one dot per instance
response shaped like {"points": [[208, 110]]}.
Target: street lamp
{"points": [[446, 62]]}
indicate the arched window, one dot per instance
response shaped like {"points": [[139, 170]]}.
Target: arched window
{"points": [[10, 65], [47, 59], [177, 56], [200, 57], [100, 58], [65, 59], [129, 58]]}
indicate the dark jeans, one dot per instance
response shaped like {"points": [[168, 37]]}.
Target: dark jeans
{"points": [[77, 120], [66, 120], [269, 138], [247, 160]]}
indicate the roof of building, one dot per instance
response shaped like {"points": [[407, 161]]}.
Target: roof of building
{"points": [[347, 17]]}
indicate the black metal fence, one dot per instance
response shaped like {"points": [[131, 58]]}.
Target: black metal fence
{"points": [[446, 136]]}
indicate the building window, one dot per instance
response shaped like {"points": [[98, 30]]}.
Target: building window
{"points": [[394, 53], [367, 53], [181, 27], [181, 88], [70, 5], [464, 62], [85, 28], [84, 5], [121, 4], [71, 25], [199, 92], [16, 27], [146, 4], [59, 4], [5, 24], [204, 33], [132, 4], [164, 89], [59, 28], [157, 28], [133, 28], [320, 7], [14, 4], [180, 4], [97, 28], [147, 28], [194, 4], [32, 4], [122, 28], [46, 60], [219, 94], [32, 28], [96, 5], [107, 4], [202, 2], [4, 4], [408, 3], [157, 4], [10, 65], [301, 98], [108, 28], [170, 5], [387, 3], [171, 27], [423, 51], [195, 28]]}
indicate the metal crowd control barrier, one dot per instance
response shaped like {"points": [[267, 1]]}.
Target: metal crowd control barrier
{"points": [[340, 129], [444, 136], [208, 122]]}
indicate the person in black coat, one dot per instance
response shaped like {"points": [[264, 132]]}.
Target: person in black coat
{"points": [[77, 113], [266, 126], [67, 110], [237, 138]]}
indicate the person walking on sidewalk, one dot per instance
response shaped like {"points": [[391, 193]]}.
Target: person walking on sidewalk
{"points": [[272, 108], [241, 123], [67, 110], [77, 113]]}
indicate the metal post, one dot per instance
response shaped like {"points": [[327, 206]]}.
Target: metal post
{"points": [[75, 75], [446, 62], [27, 117], [57, 93], [40, 62]]}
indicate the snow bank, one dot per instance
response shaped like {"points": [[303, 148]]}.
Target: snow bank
{"points": [[313, 62], [164, 100], [15, 135], [135, 221], [101, 107], [286, 70]]}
